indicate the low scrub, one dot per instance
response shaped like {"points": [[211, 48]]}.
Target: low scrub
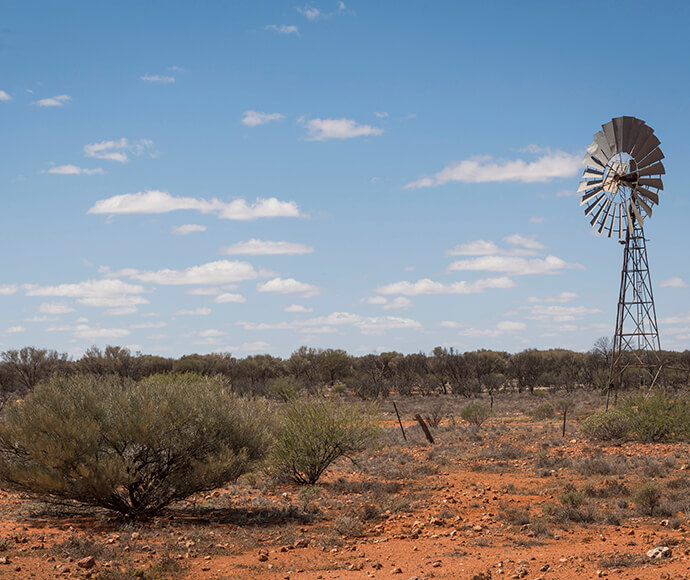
{"points": [[315, 431], [611, 425], [132, 447], [476, 414]]}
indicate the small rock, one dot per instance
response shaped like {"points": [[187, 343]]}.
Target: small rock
{"points": [[659, 552], [544, 568], [301, 543], [4, 560], [263, 557], [86, 563], [397, 571], [377, 565]]}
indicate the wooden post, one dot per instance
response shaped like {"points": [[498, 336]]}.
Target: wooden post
{"points": [[422, 424], [399, 421]]}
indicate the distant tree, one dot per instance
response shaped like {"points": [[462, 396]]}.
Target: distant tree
{"points": [[451, 370], [525, 367], [30, 365]]}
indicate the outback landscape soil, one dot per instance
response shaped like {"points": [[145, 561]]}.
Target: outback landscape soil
{"points": [[509, 499]]}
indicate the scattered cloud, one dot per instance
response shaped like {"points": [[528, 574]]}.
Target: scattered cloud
{"points": [[249, 347], [109, 293], [187, 229], [219, 272], [398, 303], [512, 265], [153, 202], [118, 150], [297, 308], [55, 308], [288, 286], [256, 247], [323, 129], [483, 169], [559, 313], [313, 14], [227, 297], [282, 29], [174, 68], [201, 311], [41, 319], [4, 97], [204, 291], [511, 326], [381, 115], [159, 79], [427, 286], [7, 289], [562, 297], [147, 325], [74, 170], [674, 283], [529, 247], [528, 242], [56, 101], [15, 329], [536, 220], [255, 118], [92, 333]]}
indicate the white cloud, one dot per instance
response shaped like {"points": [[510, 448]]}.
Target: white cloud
{"points": [[323, 129], [378, 300], [7, 289], [153, 202], [398, 303], [674, 283], [188, 229], [511, 326], [55, 308], [74, 170], [256, 247], [204, 291], [15, 329], [382, 115], [483, 169], [160, 79], [145, 325], [210, 333], [110, 293], [219, 272], [118, 150], [255, 118], [512, 265], [559, 313], [202, 311], [536, 220], [475, 248], [42, 319], [310, 12], [427, 286], [562, 297], [56, 101], [249, 347], [92, 333], [528, 242], [297, 308], [288, 286], [282, 29], [4, 97], [678, 319], [229, 298]]}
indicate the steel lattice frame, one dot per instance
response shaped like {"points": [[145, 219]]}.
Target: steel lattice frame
{"points": [[637, 335]]}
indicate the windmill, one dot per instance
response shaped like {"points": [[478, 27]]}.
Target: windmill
{"points": [[619, 187]]}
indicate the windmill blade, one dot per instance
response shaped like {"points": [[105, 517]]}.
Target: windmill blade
{"points": [[598, 213], [638, 217], [606, 216], [590, 173], [621, 222], [647, 147], [643, 133], [610, 137], [653, 157], [590, 208], [644, 206], [591, 161], [656, 169], [612, 224], [599, 156], [600, 140], [589, 195], [631, 127], [648, 194], [618, 132], [651, 182], [631, 227], [585, 185]]}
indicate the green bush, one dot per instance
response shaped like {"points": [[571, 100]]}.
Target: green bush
{"points": [[647, 498], [132, 447], [314, 432], [611, 425], [475, 414], [543, 411], [658, 418]]}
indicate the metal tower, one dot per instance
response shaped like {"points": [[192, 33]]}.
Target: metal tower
{"points": [[636, 341]]}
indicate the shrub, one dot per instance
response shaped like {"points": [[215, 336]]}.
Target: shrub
{"points": [[132, 447], [284, 388], [475, 414], [658, 418], [647, 498], [543, 411], [611, 425], [314, 432]]}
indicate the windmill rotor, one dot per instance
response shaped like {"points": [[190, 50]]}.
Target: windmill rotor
{"points": [[621, 181]]}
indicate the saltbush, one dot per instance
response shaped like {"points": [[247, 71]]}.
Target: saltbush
{"points": [[315, 431], [658, 418], [611, 425], [132, 447], [475, 414]]}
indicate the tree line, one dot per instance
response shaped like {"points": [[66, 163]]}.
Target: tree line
{"points": [[444, 370]]}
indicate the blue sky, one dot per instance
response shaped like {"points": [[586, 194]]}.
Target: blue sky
{"points": [[186, 177]]}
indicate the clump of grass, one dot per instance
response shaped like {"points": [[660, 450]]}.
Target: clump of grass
{"points": [[348, 527]]}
